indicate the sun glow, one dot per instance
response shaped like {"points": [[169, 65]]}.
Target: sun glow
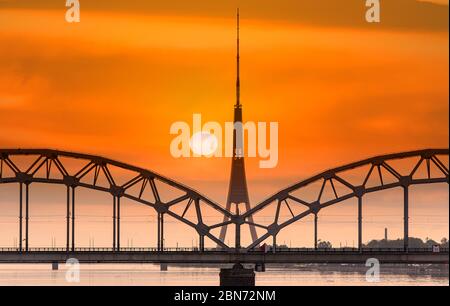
{"points": [[204, 144]]}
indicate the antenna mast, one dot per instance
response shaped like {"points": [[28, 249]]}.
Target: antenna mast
{"points": [[238, 70]]}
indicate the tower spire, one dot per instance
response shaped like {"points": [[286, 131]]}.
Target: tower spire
{"points": [[238, 70], [237, 190]]}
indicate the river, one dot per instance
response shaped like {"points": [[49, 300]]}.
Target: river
{"points": [[150, 275]]}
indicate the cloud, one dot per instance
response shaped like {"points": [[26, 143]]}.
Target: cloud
{"points": [[396, 14]]}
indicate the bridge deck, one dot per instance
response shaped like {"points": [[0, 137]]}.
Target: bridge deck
{"points": [[228, 257]]}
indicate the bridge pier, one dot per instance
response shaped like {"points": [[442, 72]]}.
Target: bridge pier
{"points": [[238, 276], [260, 267], [55, 266], [163, 267]]}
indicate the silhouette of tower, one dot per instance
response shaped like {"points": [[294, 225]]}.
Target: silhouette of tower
{"points": [[237, 191]]}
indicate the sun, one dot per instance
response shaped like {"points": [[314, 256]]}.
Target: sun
{"points": [[204, 144]]}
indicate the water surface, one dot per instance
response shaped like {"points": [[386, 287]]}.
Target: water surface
{"points": [[150, 275]]}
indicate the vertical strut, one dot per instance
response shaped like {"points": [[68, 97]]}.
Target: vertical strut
{"points": [[158, 238], [114, 223], [73, 219], [20, 216], [316, 217], [274, 248], [202, 243], [27, 215], [68, 220], [406, 218], [118, 224], [160, 241], [162, 232], [360, 223]]}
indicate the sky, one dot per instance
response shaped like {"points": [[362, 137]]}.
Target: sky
{"points": [[341, 89]]}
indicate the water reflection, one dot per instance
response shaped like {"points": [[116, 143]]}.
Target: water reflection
{"points": [[288, 275]]}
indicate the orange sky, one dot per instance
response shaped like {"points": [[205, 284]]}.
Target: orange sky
{"points": [[113, 84]]}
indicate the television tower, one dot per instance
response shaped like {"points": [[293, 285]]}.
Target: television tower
{"points": [[237, 191]]}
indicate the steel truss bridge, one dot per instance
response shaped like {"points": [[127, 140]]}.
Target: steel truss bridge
{"points": [[144, 187]]}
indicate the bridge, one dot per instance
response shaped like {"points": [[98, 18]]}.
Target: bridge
{"points": [[214, 256], [145, 187]]}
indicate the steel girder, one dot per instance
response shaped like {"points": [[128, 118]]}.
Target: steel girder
{"points": [[145, 181], [94, 167]]}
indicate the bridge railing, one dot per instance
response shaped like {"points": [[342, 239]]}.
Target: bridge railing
{"points": [[350, 250], [270, 250], [100, 249]]}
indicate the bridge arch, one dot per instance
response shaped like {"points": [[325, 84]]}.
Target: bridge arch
{"points": [[143, 186], [379, 165], [145, 181]]}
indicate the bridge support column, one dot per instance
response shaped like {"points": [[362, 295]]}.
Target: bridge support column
{"points": [[406, 217], [160, 232], [68, 220], [163, 267], [73, 219], [316, 219], [274, 248], [114, 223], [20, 216], [118, 224], [202, 243], [360, 246], [238, 276], [27, 215], [158, 242]]}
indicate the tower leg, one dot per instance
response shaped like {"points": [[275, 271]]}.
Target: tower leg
{"points": [[252, 227], [238, 237], [223, 230]]}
